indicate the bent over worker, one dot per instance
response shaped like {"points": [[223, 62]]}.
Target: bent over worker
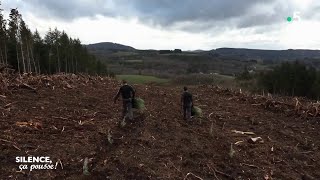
{"points": [[127, 93]]}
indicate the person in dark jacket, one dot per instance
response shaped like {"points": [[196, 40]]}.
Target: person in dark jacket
{"points": [[186, 103], [128, 94]]}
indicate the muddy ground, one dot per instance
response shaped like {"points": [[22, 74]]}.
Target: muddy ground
{"points": [[70, 121]]}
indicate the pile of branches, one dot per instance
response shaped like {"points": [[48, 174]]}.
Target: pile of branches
{"points": [[290, 105], [10, 82]]}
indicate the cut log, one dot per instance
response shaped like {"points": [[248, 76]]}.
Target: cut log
{"points": [[239, 142], [26, 86], [9, 105], [255, 140], [242, 132]]}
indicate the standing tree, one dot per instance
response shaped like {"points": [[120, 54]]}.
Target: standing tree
{"points": [[57, 52], [56, 42], [3, 38], [65, 50], [22, 34], [39, 52], [13, 50]]}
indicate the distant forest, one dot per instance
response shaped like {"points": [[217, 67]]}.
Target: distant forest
{"points": [[289, 79], [27, 52]]}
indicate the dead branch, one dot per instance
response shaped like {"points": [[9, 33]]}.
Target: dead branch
{"points": [[214, 172], [54, 117], [307, 152], [174, 166], [61, 165], [16, 147], [185, 178], [238, 142], [211, 129], [7, 141], [217, 171], [242, 132], [31, 124], [297, 105], [13, 144], [95, 113], [5, 67], [59, 162], [69, 86], [8, 105], [215, 175], [26, 86], [250, 165], [223, 125]]}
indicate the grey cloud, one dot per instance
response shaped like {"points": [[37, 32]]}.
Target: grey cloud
{"points": [[65, 9], [189, 15], [313, 13], [168, 12]]}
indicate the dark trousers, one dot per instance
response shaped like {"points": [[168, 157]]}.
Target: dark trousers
{"points": [[187, 111], [127, 109]]}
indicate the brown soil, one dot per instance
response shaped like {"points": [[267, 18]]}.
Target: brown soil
{"points": [[68, 119]]}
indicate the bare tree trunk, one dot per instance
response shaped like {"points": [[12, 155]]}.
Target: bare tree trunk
{"points": [[39, 69], [66, 68], [70, 66], [59, 70], [72, 63], [33, 61], [22, 55], [73, 66], [49, 63], [76, 66], [5, 52], [28, 56], [2, 59], [18, 58]]}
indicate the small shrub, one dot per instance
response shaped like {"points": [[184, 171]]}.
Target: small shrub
{"points": [[110, 140], [85, 167]]}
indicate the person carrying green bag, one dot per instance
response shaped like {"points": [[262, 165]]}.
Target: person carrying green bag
{"points": [[186, 103], [128, 94]]}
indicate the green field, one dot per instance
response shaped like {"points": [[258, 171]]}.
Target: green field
{"points": [[196, 79], [122, 53], [140, 79]]}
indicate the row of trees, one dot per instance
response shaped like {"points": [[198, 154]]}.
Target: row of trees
{"points": [[27, 52], [294, 79]]}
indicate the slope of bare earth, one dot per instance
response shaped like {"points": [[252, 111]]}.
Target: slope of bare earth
{"points": [[68, 117]]}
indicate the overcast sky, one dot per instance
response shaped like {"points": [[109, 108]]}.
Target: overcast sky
{"points": [[185, 24]]}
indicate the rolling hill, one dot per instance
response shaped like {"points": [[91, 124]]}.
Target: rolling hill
{"points": [[108, 47], [257, 54]]}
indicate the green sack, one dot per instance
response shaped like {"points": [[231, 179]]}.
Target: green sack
{"points": [[138, 103], [196, 111]]}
